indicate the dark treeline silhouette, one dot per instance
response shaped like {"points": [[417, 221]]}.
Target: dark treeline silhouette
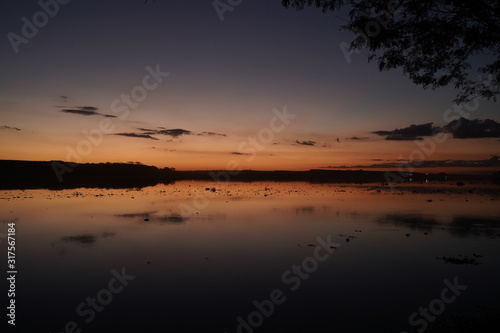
{"points": [[44, 174], [314, 176], [323, 176], [496, 178]]}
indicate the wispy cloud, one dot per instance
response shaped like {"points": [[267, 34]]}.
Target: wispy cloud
{"points": [[148, 130], [137, 135], [163, 149], [211, 134], [412, 132], [306, 143], [9, 128], [460, 129], [176, 132], [86, 111], [149, 133]]}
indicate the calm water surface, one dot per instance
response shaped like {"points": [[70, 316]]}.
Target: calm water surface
{"points": [[204, 257]]}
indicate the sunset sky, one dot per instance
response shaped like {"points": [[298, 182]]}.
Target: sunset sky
{"points": [[224, 80]]}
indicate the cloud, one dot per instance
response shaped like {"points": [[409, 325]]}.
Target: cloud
{"points": [[382, 133], [412, 132], [88, 108], [211, 134], [174, 132], [362, 138], [137, 135], [82, 112], [146, 133], [238, 153], [306, 143], [461, 128], [86, 111], [164, 149], [9, 128], [466, 129], [402, 137], [150, 131]]}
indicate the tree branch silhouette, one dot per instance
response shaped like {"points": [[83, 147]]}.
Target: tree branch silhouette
{"points": [[435, 43]]}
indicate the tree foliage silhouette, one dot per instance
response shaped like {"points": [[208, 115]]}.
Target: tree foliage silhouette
{"points": [[435, 42]]}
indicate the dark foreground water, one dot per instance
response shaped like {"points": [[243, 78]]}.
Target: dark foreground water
{"points": [[251, 257]]}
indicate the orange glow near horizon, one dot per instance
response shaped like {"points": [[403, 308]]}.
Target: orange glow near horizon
{"points": [[288, 149]]}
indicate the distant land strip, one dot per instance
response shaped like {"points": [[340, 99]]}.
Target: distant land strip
{"points": [[41, 174]]}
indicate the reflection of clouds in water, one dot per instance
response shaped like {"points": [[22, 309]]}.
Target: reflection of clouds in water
{"points": [[467, 226], [170, 219], [211, 217], [359, 215], [475, 221], [239, 198], [252, 239], [414, 221], [301, 210], [150, 218], [135, 215], [305, 210], [84, 239], [460, 226]]}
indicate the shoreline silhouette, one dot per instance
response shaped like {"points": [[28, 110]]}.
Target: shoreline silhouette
{"points": [[18, 174]]}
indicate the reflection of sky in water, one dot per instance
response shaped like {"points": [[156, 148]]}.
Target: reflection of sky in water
{"points": [[202, 268]]}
